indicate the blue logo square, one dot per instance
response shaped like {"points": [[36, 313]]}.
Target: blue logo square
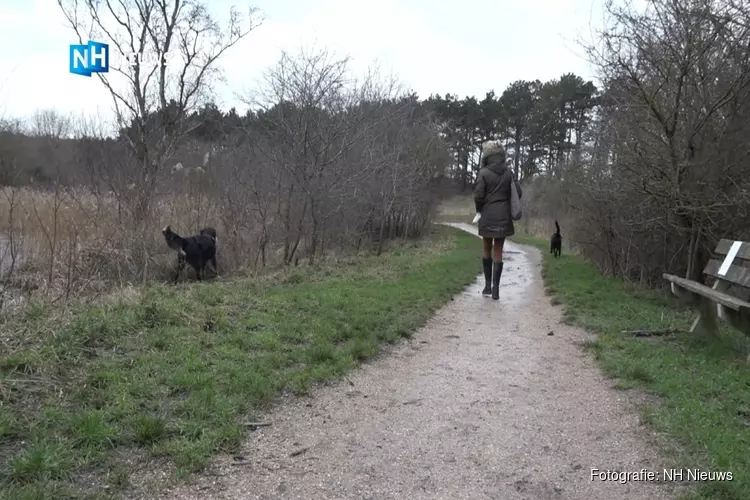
{"points": [[90, 58]]}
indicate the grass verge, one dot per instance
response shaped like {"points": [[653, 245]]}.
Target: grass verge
{"points": [[702, 384], [172, 371]]}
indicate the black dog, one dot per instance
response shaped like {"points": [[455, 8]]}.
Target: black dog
{"points": [[556, 242], [209, 231], [196, 250]]}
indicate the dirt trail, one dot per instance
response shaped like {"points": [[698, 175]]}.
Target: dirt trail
{"points": [[481, 403]]}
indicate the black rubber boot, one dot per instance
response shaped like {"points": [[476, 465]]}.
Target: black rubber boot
{"points": [[487, 264], [497, 271]]}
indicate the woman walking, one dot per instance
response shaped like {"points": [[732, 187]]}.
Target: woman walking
{"points": [[492, 200]]}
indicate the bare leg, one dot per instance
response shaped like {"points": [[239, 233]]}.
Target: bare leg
{"points": [[487, 247], [497, 267], [498, 249]]}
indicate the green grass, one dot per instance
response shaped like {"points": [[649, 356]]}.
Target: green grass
{"points": [[702, 384], [173, 372]]}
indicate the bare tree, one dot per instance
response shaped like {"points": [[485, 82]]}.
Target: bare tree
{"points": [[672, 123], [153, 105], [348, 157], [309, 123], [50, 124]]}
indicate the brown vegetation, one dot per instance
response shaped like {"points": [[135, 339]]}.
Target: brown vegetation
{"points": [[331, 167], [321, 163]]}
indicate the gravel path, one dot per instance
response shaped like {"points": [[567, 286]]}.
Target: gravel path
{"points": [[481, 403]]}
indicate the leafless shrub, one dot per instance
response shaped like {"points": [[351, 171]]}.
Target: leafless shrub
{"points": [[325, 164], [667, 172], [153, 103]]}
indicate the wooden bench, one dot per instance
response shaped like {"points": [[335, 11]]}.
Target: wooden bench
{"points": [[727, 299]]}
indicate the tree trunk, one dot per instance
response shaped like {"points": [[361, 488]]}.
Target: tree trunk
{"points": [[517, 162], [692, 273], [313, 241], [298, 238], [287, 220]]}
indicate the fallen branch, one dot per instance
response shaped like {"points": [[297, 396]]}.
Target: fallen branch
{"points": [[214, 473], [299, 452], [24, 381], [412, 401], [257, 424], [652, 333]]}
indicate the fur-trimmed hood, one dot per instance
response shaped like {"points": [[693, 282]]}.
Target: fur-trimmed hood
{"points": [[493, 156], [492, 147]]}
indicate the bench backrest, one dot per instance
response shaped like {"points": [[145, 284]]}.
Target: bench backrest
{"points": [[738, 272]]}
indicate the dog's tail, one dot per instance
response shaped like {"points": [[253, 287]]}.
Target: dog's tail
{"points": [[557, 228]]}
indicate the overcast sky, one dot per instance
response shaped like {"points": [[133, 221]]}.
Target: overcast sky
{"points": [[467, 47]]}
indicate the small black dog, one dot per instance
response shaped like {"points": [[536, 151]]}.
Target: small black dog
{"points": [[196, 250], [556, 242]]}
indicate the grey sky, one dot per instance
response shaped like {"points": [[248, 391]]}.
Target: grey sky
{"points": [[466, 47]]}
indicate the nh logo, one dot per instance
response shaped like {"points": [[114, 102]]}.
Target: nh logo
{"points": [[90, 58]]}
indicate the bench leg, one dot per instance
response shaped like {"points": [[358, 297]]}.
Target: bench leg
{"points": [[710, 311], [740, 321], [705, 322]]}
